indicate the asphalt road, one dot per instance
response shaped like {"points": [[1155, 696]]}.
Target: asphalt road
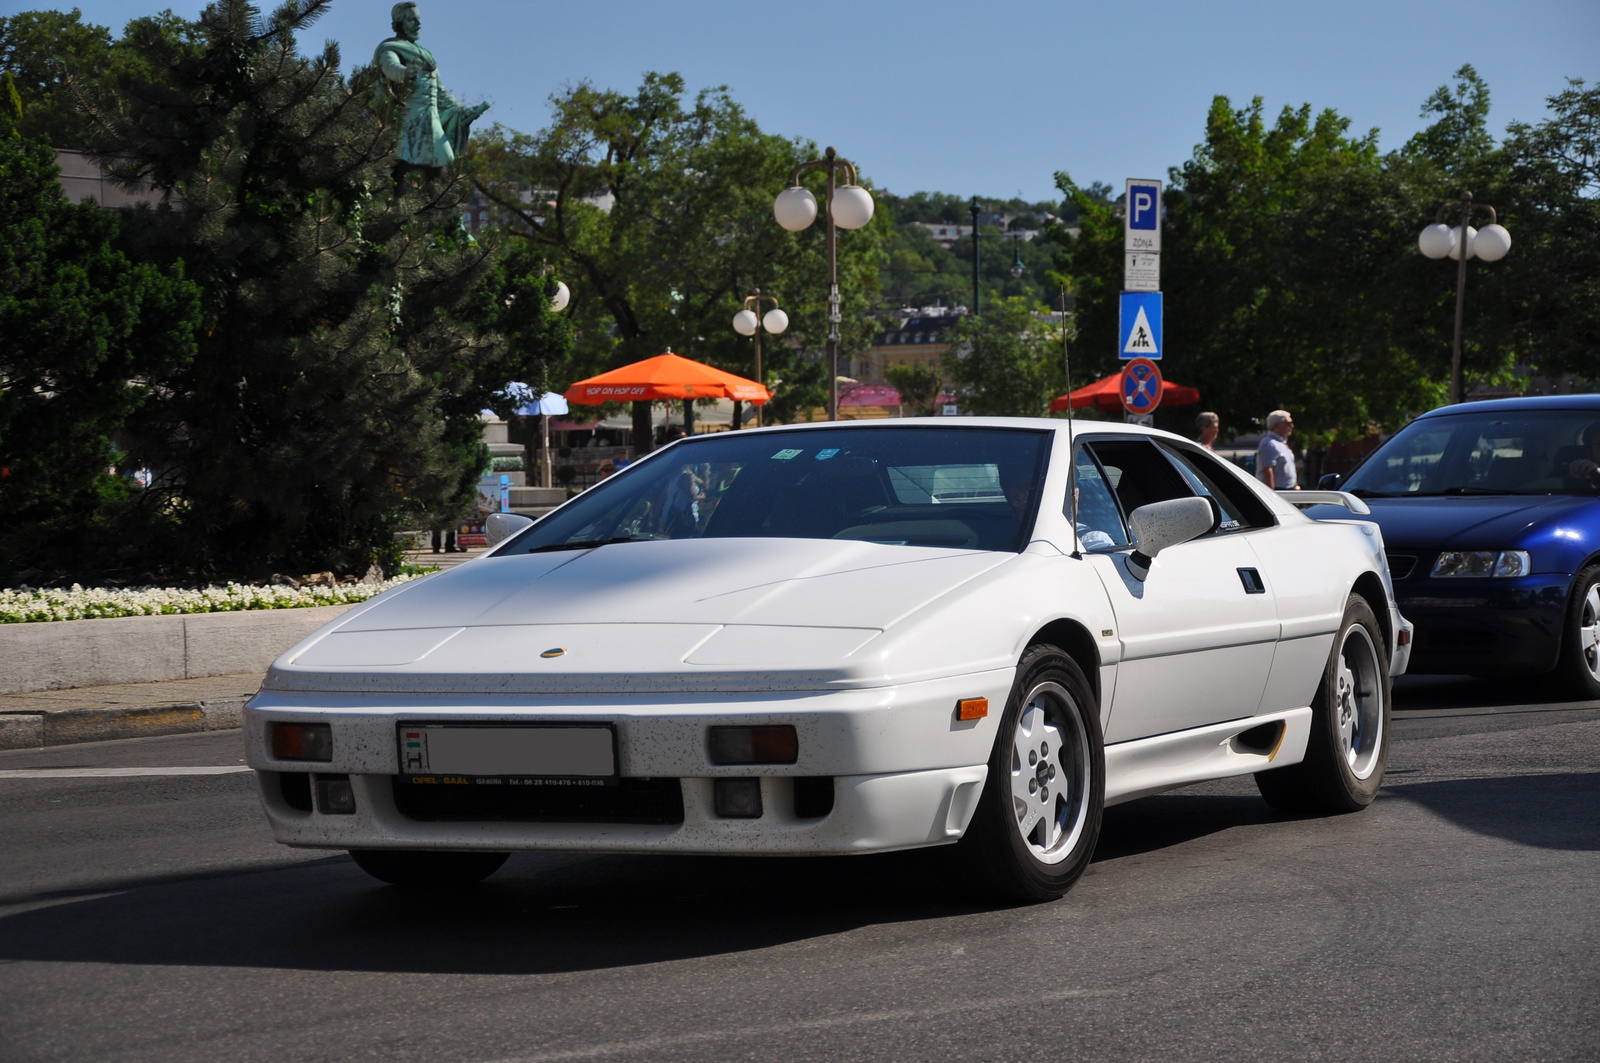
{"points": [[150, 917]]}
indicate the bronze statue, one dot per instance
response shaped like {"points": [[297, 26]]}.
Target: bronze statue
{"points": [[434, 131]]}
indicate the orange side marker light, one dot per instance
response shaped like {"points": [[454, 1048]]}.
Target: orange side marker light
{"points": [[972, 708]]}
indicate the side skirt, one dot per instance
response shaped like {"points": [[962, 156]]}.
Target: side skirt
{"points": [[1148, 766]]}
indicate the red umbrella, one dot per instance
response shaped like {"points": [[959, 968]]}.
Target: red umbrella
{"points": [[1107, 395], [666, 376]]}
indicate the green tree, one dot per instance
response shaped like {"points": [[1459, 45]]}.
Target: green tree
{"points": [[84, 336], [918, 385], [348, 337], [1544, 297], [53, 56], [658, 212], [1291, 274], [1008, 361]]}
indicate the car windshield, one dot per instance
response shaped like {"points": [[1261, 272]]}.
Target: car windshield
{"points": [[967, 488], [1533, 452]]}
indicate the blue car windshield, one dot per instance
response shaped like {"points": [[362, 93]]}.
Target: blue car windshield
{"points": [[966, 488], [1499, 453]]}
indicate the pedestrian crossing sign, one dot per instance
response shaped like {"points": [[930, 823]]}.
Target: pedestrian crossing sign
{"points": [[1140, 326]]}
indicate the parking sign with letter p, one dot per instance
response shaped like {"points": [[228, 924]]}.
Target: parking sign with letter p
{"points": [[1142, 215]]}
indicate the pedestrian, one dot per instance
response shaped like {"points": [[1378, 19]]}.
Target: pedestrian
{"points": [[1208, 425], [447, 532], [1274, 459]]}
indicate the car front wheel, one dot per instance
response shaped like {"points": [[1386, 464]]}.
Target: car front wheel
{"points": [[1579, 670], [427, 869], [1037, 822], [1349, 744]]}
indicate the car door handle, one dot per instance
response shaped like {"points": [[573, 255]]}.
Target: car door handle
{"points": [[1252, 581]]}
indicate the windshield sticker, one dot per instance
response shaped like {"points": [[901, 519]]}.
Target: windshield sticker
{"points": [[785, 455], [824, 455]]}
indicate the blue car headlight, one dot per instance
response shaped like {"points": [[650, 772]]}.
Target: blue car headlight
{"points": [[1482, 564]]}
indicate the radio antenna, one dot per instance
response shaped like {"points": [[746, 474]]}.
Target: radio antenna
{"points": [[1072, 452]]}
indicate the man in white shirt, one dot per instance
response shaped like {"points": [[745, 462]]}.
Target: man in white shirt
{"points": [[1274, 459]]}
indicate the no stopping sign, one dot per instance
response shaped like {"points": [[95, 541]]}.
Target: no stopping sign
{"points": [[1141, 386]]}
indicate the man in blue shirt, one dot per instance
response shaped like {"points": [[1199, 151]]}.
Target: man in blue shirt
{"points": [[1274, 459]]}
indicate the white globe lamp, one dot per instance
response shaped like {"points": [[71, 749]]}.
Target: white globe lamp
{"points": [[774, 322], [744, 323], [852, 206], [558, 301], [1492, 243], [1455, 242], [795, 208], [1435, 241]]}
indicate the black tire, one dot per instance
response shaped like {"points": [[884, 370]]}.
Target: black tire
{"points": [[427, 869], [1344, 763], [1577, 673], [1003, 864]]}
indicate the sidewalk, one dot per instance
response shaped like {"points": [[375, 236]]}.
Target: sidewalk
{"points": [[126, 710]]}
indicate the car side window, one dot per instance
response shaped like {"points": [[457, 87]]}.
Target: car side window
{"points": [[1138, 473], [1239, 508], [1099, 522]]}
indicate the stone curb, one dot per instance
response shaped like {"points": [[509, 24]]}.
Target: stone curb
{"points": [[36, 730], [67, 654]]}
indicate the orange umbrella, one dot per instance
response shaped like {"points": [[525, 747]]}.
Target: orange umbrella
{"points": [[1107, 395], [666, 376]]}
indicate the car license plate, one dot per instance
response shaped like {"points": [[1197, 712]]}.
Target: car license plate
{"points": [[520, 754]]}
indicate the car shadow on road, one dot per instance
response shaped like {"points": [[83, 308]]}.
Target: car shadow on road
{"points": [[1168, 820], [1559, 810], [542, 913], [1420, 692]]}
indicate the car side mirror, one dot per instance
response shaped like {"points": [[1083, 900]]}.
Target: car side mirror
{"points": [[1331, 481], [1161, 525], [498, 527]]}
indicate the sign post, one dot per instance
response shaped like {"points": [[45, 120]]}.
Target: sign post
{"points": [[1140, 315]]}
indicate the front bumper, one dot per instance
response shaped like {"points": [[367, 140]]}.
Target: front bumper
{"points": [[903, 770], [1485, 626]]}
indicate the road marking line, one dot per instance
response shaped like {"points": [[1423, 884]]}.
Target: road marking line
{"points": [[656, 1044], [118, 773]]}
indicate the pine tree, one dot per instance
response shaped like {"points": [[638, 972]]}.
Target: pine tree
{"points": [[346, 347], [84, 333]]}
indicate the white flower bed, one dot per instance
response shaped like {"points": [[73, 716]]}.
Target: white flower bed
{"points": [[97, 603]]}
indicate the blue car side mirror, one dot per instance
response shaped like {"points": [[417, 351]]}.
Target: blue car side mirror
{"points": [[1331, 481]]}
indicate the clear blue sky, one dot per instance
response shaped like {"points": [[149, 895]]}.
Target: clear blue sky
{"points": [[991, 98]]}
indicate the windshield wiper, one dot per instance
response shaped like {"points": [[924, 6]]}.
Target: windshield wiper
{"points": [[1362, 492], [582, 544], [1472, 491]]}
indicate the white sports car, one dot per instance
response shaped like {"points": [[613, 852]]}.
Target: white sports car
{"points": [[845, 638]]}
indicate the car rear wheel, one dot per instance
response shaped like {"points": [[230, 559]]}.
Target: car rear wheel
{"points": [[1037, 822], [1579, 669], [1349, 744], [427, 869]]}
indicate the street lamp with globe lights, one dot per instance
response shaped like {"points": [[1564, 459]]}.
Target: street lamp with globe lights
{"points": [[1461, 243], [746, 323], [849, 207]]}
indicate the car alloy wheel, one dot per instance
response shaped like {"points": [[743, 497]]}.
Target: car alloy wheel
{"points": [[1036, 824], [1049, 774], [1348, 747], [1358, 701], [1589, 631]]}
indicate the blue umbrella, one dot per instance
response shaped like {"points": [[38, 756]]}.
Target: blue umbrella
{"points": [[533, 403]]}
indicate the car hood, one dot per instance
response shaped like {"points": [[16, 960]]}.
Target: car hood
{"points": [[733, 614], [1480, 521]]}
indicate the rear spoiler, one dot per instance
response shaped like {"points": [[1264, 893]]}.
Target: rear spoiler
{"points": [[1307, 499]]}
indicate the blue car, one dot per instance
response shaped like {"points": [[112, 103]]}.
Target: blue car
{"points": [[1491, 516]]}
